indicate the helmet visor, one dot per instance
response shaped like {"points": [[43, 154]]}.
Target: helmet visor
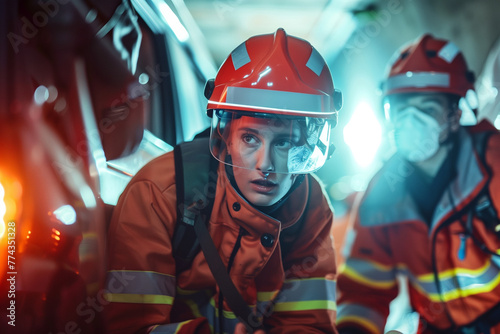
{"points": [[270, 142]]}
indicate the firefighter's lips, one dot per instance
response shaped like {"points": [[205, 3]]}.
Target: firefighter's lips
{"points": [[263, 186]]}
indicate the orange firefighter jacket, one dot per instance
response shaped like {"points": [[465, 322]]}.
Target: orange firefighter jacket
{"points": [[144, 294], [452, 282]]}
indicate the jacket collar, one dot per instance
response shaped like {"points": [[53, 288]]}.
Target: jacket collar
{"points": [[251, 218], [387, 200], [470, 180]]}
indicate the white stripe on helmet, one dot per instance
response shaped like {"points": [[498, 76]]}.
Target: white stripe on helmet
{"points": [[449, 52], [315, 62], [275, 99], [240, 56], [418, 80]]}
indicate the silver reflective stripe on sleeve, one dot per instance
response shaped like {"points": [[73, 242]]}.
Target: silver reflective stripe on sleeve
{"points": [[275, 99], [370, 273], [418, 80], [140, 282], [140, 287], [364, 316], [458, 282], [306, 294]]}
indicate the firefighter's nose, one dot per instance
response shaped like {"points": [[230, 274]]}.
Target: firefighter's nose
{"points": [[265, 160]]}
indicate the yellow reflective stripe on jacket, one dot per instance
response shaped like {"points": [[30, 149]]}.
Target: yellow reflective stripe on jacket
{"points": [[370, 273], [229, 318], [170, 328], [306, 294], [265, 300], [196, 300], [139, 299], [304, 306], [267, 296], [145, 287], [361, 315], [360, 321], [458, 282], [202, 304]]}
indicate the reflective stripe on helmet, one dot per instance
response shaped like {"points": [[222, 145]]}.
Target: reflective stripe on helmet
{"points": [[274, 99], [419, 80], [240, 56], [315, 62], [436, 65], [449, 52]]}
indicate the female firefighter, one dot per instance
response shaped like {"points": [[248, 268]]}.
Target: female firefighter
{"points": [[272, 105]]}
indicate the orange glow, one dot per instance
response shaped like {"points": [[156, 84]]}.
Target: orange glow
{"points": [[11, 207], [10, 198], [3, 210], [56, 234]]}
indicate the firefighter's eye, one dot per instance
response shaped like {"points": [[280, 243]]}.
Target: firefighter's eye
{"points": [[249, 139], [283, 144]]}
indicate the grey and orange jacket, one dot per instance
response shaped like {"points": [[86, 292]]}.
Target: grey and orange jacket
{"points": [[452, 282], [145, 294]]}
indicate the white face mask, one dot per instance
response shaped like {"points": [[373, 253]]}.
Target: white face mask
{"points": [[416, 134]]}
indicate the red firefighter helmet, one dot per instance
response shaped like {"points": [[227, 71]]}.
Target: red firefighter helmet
{"points": [[429, 65], [276, 76], [275, 73]]}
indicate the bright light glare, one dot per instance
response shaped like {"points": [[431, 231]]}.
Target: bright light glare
{"points": [[497, 122], [41, 95], [363, 134], [66, 214], [88, 196], [468, 118], [173, 21]]}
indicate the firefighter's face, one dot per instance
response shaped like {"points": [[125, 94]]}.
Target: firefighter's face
{"points": [[436, 105], [262, 145]]}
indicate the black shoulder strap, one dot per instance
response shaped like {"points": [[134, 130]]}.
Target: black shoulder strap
{"points": [[231, 294], [196, 182]]}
